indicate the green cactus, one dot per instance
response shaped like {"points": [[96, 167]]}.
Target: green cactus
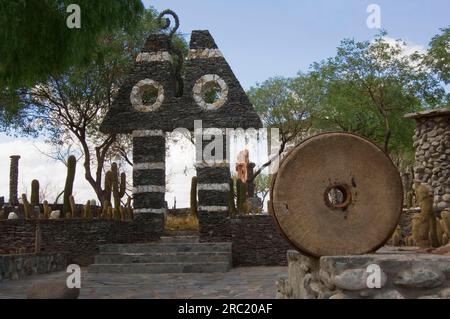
{"points": [[231, 202], [118, 189], [68, 188], [47, 210], [107, 191], [241, 189], [87, 211], [105, 209], [129, 209], [73, 208], [26, 207], [194, 202], [34, 200]]}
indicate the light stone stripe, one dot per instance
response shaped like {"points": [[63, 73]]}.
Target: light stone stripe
{"points": [[149, 166], [154, 57], [146, 133], [149, 189], [214, 187], [213, 164], [149, 211], [204, 54], [213, 208]]}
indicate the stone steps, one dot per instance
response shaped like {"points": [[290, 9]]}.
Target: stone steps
{"points": [[190, 257], [173, 254], [160, 268], [179, 239], [166, 248]]}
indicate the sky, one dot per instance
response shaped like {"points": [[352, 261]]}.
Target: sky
{"points": [[260, 39]]}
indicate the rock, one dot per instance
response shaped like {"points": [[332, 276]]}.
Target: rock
{"points": [[56, 214], [52, 290], [13, 216], [390, 294], [445, 293], [340, 295], [355, 279], [420, 277]]}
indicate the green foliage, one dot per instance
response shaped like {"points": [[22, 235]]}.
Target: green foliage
{"points": [[34, 193], [36, 41], [68, 188], [438, 56], [368, 87]]}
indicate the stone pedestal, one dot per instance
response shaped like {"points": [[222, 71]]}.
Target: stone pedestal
{"points": [[213, 175], [149, 176], [403, 274], [432, 143]]}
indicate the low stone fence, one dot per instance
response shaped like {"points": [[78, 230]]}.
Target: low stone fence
{"points": [[257, 242], [401, 275], [20, 266], [78, 238]]}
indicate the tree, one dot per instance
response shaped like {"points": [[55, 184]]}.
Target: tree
{"points": [[285, 104], [69, 108], [438, 56], [263, 182], [36, 41], [369, 86]]}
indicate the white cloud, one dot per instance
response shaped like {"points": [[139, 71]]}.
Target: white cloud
{"points": [[407, 48]]}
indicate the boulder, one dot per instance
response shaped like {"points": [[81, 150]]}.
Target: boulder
{"points": [[13, 216], [56, 214]]}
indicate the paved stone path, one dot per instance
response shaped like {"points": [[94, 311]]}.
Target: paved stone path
{"points": [[238, 283]]}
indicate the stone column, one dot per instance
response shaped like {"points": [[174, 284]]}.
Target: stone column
{"points": [[213, 190], [14, 180], [149, 177]]}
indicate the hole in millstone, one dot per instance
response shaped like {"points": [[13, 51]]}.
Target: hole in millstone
{"points": [[338, 197], [150, 95], [212, 93]]}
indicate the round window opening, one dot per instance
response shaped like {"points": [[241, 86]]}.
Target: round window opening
{"points": [[147, 96], [210, 92], [338, 197]]}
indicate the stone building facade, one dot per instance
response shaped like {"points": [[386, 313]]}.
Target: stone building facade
{"points": [[432, 143], [192, 109]]}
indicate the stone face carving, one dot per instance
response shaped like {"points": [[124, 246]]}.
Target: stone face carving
{"points": [[138, 92], [208, 82], [208, 92]]}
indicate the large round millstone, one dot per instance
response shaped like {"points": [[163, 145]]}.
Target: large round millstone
{"points": [[337, 194]]}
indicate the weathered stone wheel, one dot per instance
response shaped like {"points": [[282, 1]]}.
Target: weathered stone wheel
{"points": [[337, 194]]}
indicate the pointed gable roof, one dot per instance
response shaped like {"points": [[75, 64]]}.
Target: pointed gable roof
{"points": [[205, 68]]}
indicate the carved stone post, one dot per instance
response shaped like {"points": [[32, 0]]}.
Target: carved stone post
{"points": [[14, 180]]}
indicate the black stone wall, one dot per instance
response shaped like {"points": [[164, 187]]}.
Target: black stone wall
{"points": [[257, 242]]}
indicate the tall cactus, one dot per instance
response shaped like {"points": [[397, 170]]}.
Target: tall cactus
{"points": [[194, 202], [34, 200], [118, 189], [231, 202], [107, 191], [73, 207], [241, 189], [26, 207], [47, 210], [68, 188]]}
